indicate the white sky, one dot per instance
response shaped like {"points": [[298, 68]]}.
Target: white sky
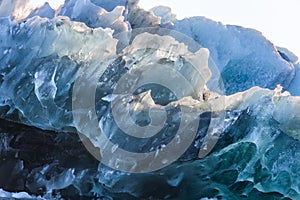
{"points": [[278, 20]]}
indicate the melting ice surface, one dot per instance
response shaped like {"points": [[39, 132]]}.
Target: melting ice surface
{"points": [[236, 97]]}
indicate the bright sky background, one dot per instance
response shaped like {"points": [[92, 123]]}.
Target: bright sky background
{"points": [[278, 20]]}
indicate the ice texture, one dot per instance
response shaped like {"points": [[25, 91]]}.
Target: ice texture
{"points": [[251, 162], [244, 57], [44, 11], [45, 52], [95, 16], [110, 5], [242, 91], [164, 13]]}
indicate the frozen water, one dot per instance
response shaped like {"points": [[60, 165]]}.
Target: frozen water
{"points": [[44, 51], [244, 57]]}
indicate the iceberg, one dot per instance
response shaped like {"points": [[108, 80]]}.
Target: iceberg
{"points": [[103, 99], [244, 57]]}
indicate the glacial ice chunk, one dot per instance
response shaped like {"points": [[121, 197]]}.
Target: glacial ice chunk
{"points": [[108, 4], [164, 13], [40, 60], [44, 11], [16, 195], [244, 57], [96, 16]]}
